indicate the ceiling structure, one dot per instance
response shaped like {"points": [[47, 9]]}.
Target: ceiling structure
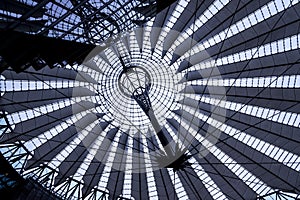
{"points": [[72, 28], [201, 101], [82, 21]]}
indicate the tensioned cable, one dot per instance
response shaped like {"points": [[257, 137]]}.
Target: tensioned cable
{"points": [[81, 105], [244, 68]]}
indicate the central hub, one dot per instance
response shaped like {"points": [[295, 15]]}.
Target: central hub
{"points": [[133, 80]]}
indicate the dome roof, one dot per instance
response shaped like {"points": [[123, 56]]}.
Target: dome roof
{"points": [[222, 79]]}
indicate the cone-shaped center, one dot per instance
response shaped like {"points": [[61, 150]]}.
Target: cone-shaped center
{"points": [[133, 79]]}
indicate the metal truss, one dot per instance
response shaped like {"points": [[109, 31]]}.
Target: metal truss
{"points": [[5, 127], [85, 21], [16, 154], [280, 195]]}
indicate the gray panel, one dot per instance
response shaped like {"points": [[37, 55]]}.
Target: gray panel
{"points": [[48, 74], [33, 127], [227, 181], [23, 100], [287, 94], [164, 185], [95, 169], [192, 11], [73, 161], [185, 20], [246, 40], [265, 130], [159, 22], [139, 187], [92, 176], [139, 179], [279, 60], [116, 177], [115, 184], [253, 68], [268, 170], [193, 186], [223, 19], [230, 184], [50, 149]]}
